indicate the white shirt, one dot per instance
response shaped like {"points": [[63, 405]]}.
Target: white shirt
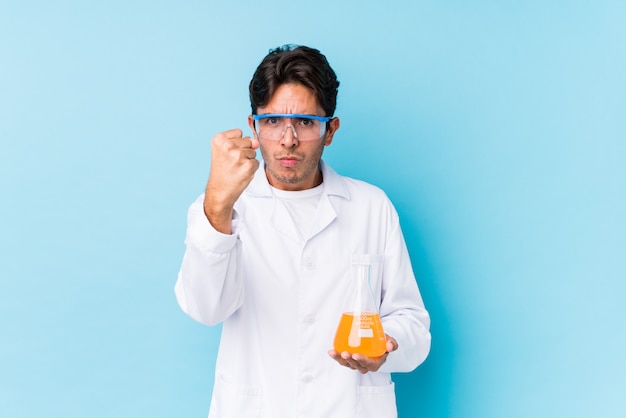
{"points": [[301, 206], [280, 294]]}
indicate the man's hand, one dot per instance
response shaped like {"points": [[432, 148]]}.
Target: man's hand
{"points": [[362, 363], [233, 164]]}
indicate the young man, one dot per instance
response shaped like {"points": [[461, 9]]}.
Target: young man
{"points": [[269, 254]]}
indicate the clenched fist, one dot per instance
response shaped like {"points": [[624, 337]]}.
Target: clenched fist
{"points": [[233, 164]]}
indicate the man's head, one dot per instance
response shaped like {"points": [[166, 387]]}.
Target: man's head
{"points": [[293, 95], [291, 64]]}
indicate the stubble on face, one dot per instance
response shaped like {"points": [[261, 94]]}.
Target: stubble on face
{"points": [[294, 177]]}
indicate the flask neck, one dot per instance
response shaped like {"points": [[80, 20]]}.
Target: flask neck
{"points": [[363, 296]]}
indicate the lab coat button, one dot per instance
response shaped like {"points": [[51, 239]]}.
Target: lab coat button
{"points": [[307, 378], [309, 319], [310, 264]]}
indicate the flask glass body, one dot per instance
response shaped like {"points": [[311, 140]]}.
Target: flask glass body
{"points": [[360, 329]]}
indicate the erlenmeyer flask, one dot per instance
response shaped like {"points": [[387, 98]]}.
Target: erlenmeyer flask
{"points": [[360, 329]]}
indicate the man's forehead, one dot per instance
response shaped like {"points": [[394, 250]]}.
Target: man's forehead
{"points": [[292, 98]]}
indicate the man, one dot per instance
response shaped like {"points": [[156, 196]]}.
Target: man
{"points": [[269, 253]]}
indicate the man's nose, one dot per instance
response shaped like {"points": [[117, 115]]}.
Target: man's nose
{"points": [[289, 137]]}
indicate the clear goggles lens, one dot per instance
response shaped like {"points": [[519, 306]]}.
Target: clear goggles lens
{"points": [[272, 127]]}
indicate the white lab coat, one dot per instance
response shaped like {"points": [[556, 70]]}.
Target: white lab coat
{"points": [[280, 300]]}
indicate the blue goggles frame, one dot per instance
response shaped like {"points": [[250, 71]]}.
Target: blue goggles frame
{"points": [[292, 115]]}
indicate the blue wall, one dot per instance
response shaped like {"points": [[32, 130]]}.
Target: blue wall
{"points": [[497, 128]]}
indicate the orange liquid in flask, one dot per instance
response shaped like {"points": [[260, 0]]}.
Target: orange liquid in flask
{"points": [[362, 334]]}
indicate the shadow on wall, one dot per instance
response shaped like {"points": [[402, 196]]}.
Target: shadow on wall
{"points": [[426, 392]]}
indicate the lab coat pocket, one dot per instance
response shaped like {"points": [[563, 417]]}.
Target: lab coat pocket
{"points": [[231, 400], [377, 402]]}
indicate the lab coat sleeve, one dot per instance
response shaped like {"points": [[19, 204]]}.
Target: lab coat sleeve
{"points": [[209, 286], [402, 310]]}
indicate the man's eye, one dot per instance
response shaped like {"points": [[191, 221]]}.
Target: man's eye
{"points": [[306, 122], [270, 121]]}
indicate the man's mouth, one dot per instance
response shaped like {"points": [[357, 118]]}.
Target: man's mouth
{"points": [[288, 161]]}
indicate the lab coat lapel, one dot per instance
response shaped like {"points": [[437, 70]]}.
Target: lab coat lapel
{"points": [[323, 217], [283, 222]]}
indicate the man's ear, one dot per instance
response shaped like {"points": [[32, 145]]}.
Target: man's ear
{"points": [[333, 126], [251, 124]]}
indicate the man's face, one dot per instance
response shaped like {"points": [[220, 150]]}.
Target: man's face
{"points": [[291, 164]]}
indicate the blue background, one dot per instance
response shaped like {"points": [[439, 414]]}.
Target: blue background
{"points": [[498, 128]]}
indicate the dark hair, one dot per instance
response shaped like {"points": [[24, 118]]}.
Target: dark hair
{"points": [[294, 64]]}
